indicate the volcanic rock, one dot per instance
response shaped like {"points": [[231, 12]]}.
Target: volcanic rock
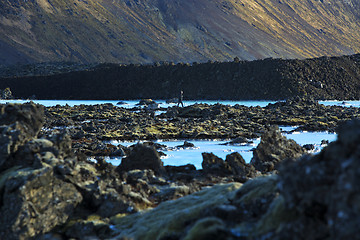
{"points": [[274, 148], [323, 189], [239, 167], [309, 147], [172, 216], [30, 116], [142, 157], [185, 145], [238, 141], [121, 103], [18, 124], [233, 165], [34, 201], [213, 164]]}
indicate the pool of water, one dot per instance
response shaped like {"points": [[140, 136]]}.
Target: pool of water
{"points": [[193, 155], [354, 103], [132, 103]]}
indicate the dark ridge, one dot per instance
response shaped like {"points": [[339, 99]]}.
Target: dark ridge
{"points": [[270, 79]]}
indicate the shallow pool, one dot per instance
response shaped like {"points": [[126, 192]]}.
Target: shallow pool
{"points": [[193, 155]]}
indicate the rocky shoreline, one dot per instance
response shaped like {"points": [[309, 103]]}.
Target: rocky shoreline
{"points": [[51, 190], [90, 126]]}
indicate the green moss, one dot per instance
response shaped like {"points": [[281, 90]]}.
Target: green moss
{"points": [[298, 121], [206, 228], [274, 217], [12, 172], [171, 216], [93, 217], [256, 188]]}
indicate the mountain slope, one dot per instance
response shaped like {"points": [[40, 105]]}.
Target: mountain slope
{"points": [[145, 31]]}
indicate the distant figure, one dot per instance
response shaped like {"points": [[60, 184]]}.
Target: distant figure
{"points": [[180, 100]]}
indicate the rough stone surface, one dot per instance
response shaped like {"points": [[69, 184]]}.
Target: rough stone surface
{"points": [[234, 166], [90, 125], [33, 202], [170, 218], [49, 191], [239, 167], [146, 102], [18, 124], [213, 164], [324, 190], [274, 148], [142, 157], [30, 117]]}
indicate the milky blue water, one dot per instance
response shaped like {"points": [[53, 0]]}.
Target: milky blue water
{"points": [[193, 155], [132, 103]]}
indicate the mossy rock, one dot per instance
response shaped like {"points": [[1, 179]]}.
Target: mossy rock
{"points": [[170, 217], [256, 188], [273, 219], [206, 229]]}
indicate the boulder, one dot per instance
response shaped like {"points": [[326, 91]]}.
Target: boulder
{"points": [[173, 192], [314, 197], [238, 141], [142, 157], [34, 201], [274, 148], [18, 124], [239, 167], [146, 102], [309, 147], [233, 165], [172, 217], [214, 165], [324, 190], [110, 203], [35, 191], [121, 103], [30, 117], [186, 145]]}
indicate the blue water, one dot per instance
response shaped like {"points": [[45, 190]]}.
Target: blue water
{"points": [[193, 156], [132, 103]]}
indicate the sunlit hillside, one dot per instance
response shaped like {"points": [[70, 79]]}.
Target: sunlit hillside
{"points": [[146, 31]]}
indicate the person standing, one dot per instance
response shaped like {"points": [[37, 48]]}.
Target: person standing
{"points": [[180, 100]]}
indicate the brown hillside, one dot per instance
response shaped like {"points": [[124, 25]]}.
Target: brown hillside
{"points": [[144, 31]]}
